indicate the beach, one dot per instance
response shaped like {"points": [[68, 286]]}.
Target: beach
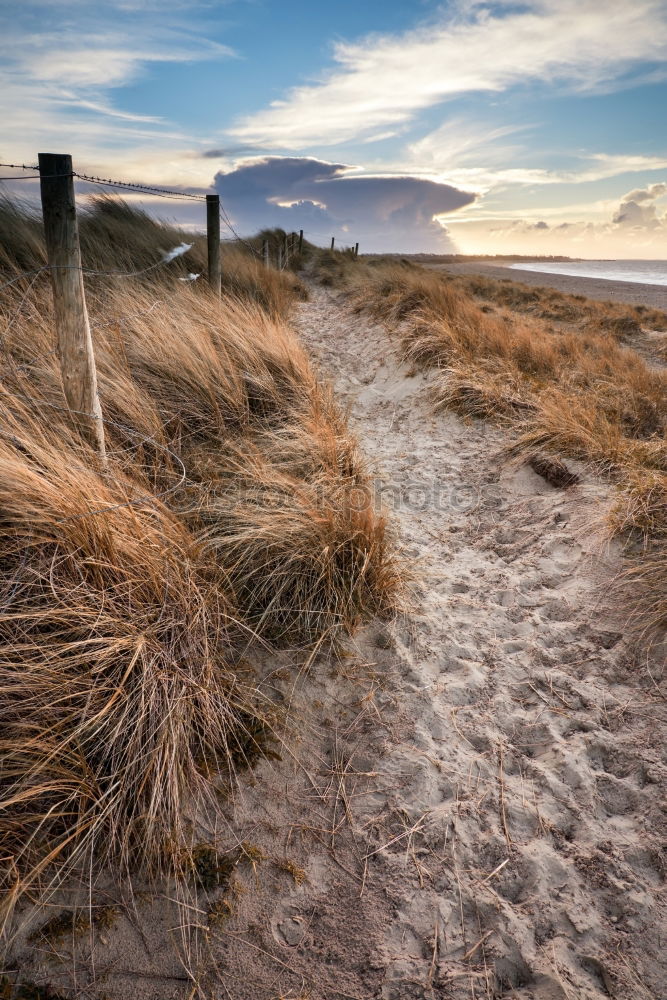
{"points": [[634, 293]]}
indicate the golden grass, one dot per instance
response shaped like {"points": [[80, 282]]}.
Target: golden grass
{"points": [[549, 304], [116, 236], [126, 596], [570, 385]]}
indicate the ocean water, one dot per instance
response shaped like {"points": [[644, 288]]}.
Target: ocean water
{"points": [[644, 272]]}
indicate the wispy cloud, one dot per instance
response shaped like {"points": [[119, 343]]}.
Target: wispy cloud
{"points": [[58, 77], [590, 168], [475, 154], [384, 81]]}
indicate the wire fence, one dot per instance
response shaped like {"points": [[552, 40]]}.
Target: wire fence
{"points": [[143, 189], [33, 274], [286, 248], [90, 271], [160, 192]]}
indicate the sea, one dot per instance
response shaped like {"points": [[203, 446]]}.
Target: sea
{"points": [[643, 272]]}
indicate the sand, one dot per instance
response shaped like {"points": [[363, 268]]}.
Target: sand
{"points": [[471, 799], [653, 296]]}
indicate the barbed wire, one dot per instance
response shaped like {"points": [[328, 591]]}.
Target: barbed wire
{"points": [[119, 320], [24, 274], [107, 181], [168, 193], [143, 188], [88, 270], [118, 274], [30, 177], [227, 222]]}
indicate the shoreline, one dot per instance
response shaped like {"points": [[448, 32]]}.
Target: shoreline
{"points": [[603, 289]]}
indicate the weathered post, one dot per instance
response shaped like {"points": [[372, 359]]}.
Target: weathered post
{"points": [[265, 253], [213, 238], [300, 240], [286, 250], [280, 256], [356, 249], [75, 344], [333, 240]]}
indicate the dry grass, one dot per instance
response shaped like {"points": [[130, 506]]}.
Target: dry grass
{"points": [[549, 304], [570, 385], [116, 236], [125, 596]]}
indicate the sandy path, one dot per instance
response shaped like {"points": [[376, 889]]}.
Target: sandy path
{"points": [[470, 800], [519, 731]]}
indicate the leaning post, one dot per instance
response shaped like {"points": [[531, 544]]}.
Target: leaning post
{"points": [[213, 239], [333, 240], [75, 344]]}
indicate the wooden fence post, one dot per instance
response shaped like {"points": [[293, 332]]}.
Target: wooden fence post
{"points": [[280, 255], [356, 250], [300, 240], [333, 240], [265, 253], [213, 238], [75, 344]]}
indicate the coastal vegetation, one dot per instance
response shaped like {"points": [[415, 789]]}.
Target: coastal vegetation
{"points": [[235, 512], [570, 377]]}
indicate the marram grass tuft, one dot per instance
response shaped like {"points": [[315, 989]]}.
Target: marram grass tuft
{"points": [[236, 508]]}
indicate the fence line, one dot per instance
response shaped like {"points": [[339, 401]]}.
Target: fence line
{"points": [[150, 189], [142, 188], [75, 346], [90, 271]]}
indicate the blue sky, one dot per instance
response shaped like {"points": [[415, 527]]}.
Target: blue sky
{"points": [[531, 127]]}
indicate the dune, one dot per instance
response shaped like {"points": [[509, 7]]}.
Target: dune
{"points": [[464, 799]]}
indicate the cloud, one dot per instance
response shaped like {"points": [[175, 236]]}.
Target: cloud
{"points": [[329, 199], [634, 228], [61, 59], [474, 154], [463, 142], [638, 210], [385, 80]]}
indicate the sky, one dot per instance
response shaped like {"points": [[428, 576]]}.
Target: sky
{"points": [[527, 127]]}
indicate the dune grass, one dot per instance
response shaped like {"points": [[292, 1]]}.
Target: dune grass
{"points": [[560, 372], [560, 307], [236, 510], [116, 236]]}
